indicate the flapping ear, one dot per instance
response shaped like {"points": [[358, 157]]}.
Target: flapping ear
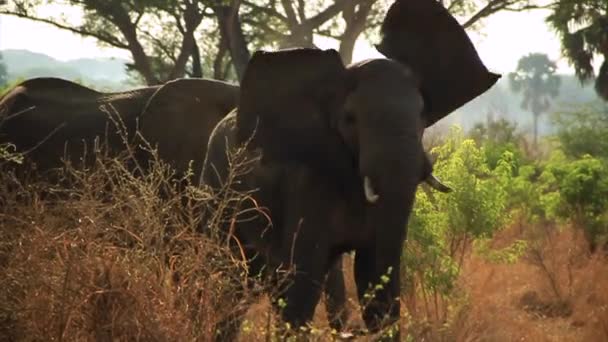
{"points": [[424, 36], [286, 100]]}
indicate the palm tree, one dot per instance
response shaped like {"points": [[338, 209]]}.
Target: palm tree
{"points": [[535, 78]]}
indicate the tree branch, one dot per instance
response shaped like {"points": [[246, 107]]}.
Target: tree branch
{"points": [[267, 10], [292, 21], [500, 5], [106, 39], [331, 11]]}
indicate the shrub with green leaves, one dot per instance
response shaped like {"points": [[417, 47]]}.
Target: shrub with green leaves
{"points": [[577, 191], [583, 129], [497, 137], [442, 226]]}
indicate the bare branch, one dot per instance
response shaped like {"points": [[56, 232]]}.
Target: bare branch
{"points": [[106, 39], [331, 11], [267, 10], [292, 21]]}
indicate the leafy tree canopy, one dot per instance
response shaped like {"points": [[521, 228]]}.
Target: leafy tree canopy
{"points": [[168, 39], [583, 29]]}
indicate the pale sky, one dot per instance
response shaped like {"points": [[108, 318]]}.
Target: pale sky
{"points": [[505, 37]]}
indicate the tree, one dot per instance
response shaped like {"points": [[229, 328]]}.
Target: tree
{"points": [[535, 78], [175, 38], [289, 23], [3, 73], [160, 35], [583, 29]]}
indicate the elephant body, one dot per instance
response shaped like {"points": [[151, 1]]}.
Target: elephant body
{"points": [[50, 118], [41, 116], [334, 156]]}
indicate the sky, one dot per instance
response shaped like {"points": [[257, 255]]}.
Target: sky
{"points": [[505, 37]]}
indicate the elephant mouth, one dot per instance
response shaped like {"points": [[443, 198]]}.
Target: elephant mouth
{"points": [[371, 196]]}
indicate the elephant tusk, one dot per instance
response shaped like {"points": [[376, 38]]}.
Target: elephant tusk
{"points": [[370, 194], [436, 184]]}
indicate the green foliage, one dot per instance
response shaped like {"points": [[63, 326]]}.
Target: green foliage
{"points": [[583, 130], [582, 27], [577, 191], [507, 255], [442, 226], [497, 137]]}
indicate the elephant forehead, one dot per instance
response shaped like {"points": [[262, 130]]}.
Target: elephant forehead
{"points": [[382, 70], [385, 95], [288, 71]]}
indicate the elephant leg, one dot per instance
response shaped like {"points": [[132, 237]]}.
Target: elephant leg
{"points": [[304, 245], [303, 286], [335, 296], [378, 290]]}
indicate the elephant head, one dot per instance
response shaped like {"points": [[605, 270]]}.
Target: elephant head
{"points": [[360, 127]]}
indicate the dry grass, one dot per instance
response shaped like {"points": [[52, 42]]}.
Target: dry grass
{"points": [[556, 292], [102, 254], [99, 255]]}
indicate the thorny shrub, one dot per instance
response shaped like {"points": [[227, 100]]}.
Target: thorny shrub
{"points": [[99, 254]]}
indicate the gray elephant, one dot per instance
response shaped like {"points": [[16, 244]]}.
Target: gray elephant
{"points": [[42, 116], [49, 117], [335, 155]]}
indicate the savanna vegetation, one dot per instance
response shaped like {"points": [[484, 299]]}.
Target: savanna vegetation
{"points": [[518, 250]]}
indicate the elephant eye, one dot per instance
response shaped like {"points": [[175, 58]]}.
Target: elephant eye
{"points": [[349, 118]]}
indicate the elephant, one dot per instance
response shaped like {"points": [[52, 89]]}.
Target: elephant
{"points": [[334, 156], [50, 117], [41, 115]]}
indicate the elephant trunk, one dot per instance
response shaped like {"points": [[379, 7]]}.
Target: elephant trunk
{"points": [[390, 190]]}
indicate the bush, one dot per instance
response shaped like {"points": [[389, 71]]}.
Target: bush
{"points": [[497, 137], [102, 257], [577, 191], [583, 130], [442, 227]]}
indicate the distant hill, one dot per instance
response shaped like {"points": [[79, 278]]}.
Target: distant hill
{"points": [[102, 73]]}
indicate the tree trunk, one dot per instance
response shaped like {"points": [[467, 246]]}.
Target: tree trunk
{"points": [[230, 28], [536, 115], [179, 68], [219, 58], [347, 47], [355, 25], [197, 65], [141, 61]]}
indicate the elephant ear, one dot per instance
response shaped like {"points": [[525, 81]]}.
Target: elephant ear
{"points": [[286, 100], [424, 36]]}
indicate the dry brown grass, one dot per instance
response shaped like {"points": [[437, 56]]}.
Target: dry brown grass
{"points": [[101, 256], [556, 292]]}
